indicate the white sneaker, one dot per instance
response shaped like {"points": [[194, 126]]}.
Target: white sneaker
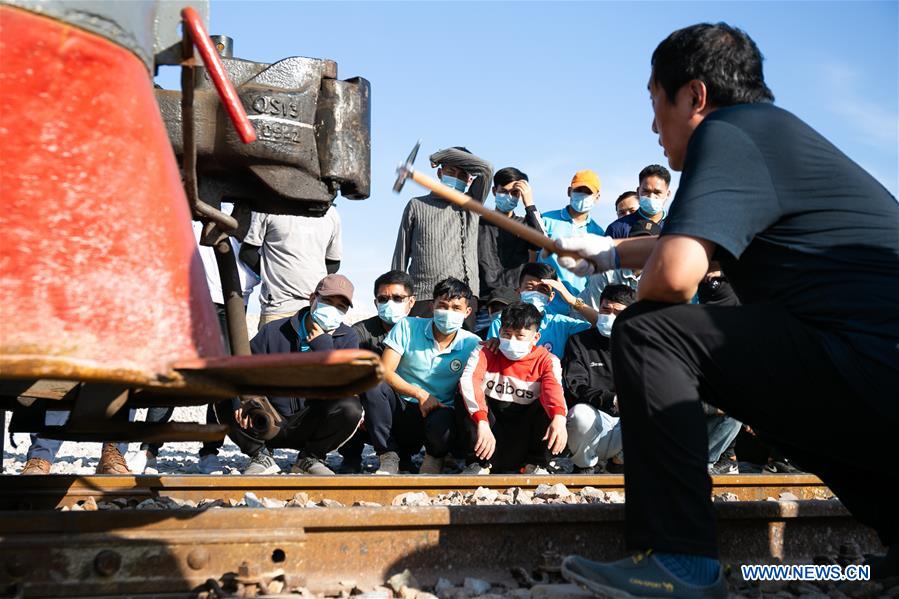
{"points": [[534, 469], [210, 464], [475, 469], [151, 468], [431, 465], [137, 460]]}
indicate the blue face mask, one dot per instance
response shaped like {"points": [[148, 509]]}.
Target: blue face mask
{"points": [[457, 184], [326, 316], [651, 206], [535, 298], [448, 321], [604, 324], [506, 202], [582, 202], [392, 312]]}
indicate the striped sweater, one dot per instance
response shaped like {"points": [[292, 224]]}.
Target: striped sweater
{"points": [[537, 376], [437, 239]]}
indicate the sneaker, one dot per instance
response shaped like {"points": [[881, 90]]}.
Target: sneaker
{"points": [[614, 468], [311, 465], [431, 465], [475, 469], [781, 467], [210, 464], [584, 470], [725, 465], [261, 464], [638, 576], [112, 461], [141, 462], [534, 469], [36, 466], [390, 463]]}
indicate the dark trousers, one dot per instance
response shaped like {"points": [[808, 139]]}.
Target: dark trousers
{"points": [[518, 429], [394, 424], [766, 369], [425, 309], [317, 428]]}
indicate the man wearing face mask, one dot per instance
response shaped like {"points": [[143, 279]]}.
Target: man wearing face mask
{"points": [[312, 426], [594, 433], [652, 194], [512, 418], [538, 285], [502, 255], [422, 360], [437, 239], [572, 221], [393, 300]]}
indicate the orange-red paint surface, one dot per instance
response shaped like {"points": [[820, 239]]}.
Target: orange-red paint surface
{"points": [[98, 263]]}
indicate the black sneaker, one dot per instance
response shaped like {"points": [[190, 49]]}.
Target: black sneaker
{"points": [[613, 468], [584, 470], [781, 467], [639, 576], [726, 464]]}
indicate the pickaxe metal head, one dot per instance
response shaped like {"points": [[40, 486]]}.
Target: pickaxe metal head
{"points": [[405, 170]]}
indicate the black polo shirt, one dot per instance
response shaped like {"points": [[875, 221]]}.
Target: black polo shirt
{"points": [[799, 224], [371, 333]]}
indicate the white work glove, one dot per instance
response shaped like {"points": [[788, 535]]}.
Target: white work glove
{"points": [[598, 254]]}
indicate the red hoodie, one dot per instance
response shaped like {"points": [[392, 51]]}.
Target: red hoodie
{"points": [[536, 376]]}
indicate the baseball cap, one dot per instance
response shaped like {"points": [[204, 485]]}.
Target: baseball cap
{"points": [[335, 284], [643, 227], [504, 296], [586, 178]]}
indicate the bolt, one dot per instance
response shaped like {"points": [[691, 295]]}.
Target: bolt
{"points": [[107, 562], [248, 570], [198, 558], [17, 566]]}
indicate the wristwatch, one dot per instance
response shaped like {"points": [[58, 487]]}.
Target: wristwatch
{"points": [[579, 303]]}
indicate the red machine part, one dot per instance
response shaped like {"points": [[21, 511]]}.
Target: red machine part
{"points": [[194, 23], [99, 274]]}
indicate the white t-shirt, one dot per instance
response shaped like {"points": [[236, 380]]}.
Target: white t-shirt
{"points": [[294, 250], [248, 278]]}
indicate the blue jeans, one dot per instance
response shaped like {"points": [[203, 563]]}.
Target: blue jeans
{"points": [[722, 432], [46, 449]]}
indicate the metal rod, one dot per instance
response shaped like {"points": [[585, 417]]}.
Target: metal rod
{"points": [[193, 24], [232, 294]]}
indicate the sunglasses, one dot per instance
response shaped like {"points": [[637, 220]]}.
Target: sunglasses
{"points": [[383, 299]]}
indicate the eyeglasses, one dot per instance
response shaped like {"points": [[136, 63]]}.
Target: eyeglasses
{"points": [[383, 299]]}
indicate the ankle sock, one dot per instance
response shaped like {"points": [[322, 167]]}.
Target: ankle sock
{"points": [[692, 569]]}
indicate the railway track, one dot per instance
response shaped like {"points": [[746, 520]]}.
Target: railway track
{"points": [[52, 491], [175, 552]]}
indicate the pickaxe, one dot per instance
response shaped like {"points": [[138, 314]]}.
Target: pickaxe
{"points": [[406, 171]]}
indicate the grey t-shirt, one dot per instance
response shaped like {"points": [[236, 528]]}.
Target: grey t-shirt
{"points": [[294, 250]]}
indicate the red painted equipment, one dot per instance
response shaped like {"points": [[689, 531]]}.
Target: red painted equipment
{"points": [[100, 280]]}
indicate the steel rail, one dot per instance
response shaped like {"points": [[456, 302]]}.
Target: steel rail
{"points": [[50, 491], [176, 551]]}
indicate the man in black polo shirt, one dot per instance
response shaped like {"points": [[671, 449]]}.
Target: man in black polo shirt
{"points": [[652, 194], [794, 224], [312, 426]]}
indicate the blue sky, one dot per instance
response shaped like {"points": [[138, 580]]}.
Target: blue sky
{"points": [[554, 87]]}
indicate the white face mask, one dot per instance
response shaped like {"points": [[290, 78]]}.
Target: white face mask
{"points": [[392, 312], [604, 324], [650, 205], [515, 349], [536, 299]]}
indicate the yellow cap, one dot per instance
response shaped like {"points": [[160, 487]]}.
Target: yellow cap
{"points": [[586, 178]]}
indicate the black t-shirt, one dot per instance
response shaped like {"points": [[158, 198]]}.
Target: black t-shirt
{"points": [[371, 332], [798, 224], [502, 255]]}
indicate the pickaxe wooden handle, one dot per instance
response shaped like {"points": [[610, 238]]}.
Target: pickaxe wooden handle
{"points": [[499, 219]]}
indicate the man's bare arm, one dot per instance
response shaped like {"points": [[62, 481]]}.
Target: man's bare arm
{"points": [[676, 266]]}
